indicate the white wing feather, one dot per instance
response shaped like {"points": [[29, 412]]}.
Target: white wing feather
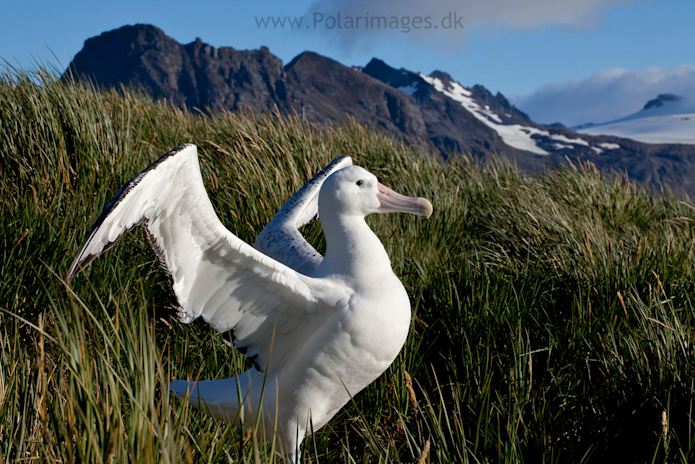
{"points": [[281, 238], [238, 290]]}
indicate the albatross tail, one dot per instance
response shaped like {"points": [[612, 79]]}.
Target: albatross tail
{"points": [[222, 398]]}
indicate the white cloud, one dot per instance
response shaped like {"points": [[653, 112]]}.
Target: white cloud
{"points": [[605, 95], [517, 14]]}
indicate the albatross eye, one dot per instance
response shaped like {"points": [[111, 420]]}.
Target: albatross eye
{"points": [[359, 182]]}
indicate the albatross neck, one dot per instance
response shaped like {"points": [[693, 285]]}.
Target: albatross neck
{"points": [[352, 248]]}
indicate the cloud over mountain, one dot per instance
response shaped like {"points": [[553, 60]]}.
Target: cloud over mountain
{"points": [[605, 95]]}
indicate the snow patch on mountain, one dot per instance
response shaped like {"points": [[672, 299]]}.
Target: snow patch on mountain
{"points": [[562, 138], [675, 128], [514, 135], [409, 89], [605, 146], [666, 119]]}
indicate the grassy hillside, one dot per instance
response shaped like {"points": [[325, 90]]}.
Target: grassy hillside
{"points": [[553, 322]]}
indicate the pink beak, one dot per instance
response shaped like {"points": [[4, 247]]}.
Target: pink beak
{"points": [[397, 203]]}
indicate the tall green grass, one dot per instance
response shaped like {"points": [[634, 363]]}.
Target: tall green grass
{"points": [[553, 313]]}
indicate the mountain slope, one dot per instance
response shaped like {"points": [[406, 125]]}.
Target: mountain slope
{"points": [[326, 91], [431, 109], [665, 119]]}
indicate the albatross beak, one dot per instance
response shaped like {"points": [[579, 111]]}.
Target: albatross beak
{"points": [[397, 203]]}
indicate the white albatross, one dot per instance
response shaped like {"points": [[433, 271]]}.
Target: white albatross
{"points": [[316, 334]]}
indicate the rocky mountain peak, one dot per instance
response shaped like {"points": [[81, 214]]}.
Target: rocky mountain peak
{"points": [[442, 76], [312, 60], [661, 99], [499, 104], [406, 81]]}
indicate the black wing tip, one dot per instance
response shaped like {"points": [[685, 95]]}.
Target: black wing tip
{"points": [[77, 266], [80, 263], [169, 154]]}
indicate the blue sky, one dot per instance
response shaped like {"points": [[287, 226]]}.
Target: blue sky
{"points": [[523, 48]]}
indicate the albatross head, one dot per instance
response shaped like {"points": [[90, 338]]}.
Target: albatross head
{"points": [[354, 191]]}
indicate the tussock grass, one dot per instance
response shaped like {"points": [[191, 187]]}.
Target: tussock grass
{"points": [[553, 313]]}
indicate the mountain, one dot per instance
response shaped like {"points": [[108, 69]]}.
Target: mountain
{"points": [[198, 75], [325, 91], [666, 119], [195, 75], [662, 100], [419, 108]]}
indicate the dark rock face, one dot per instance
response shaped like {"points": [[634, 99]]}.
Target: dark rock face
{"points": [[434, 109], [660, 99], [195, 75], [325, 90], [406, 81], [228, 78]]}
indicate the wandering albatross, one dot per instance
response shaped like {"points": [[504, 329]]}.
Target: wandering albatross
{"points": [[317, 329]]}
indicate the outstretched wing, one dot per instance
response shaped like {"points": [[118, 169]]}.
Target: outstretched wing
{"points": [[281, 239], [253, 300]]}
